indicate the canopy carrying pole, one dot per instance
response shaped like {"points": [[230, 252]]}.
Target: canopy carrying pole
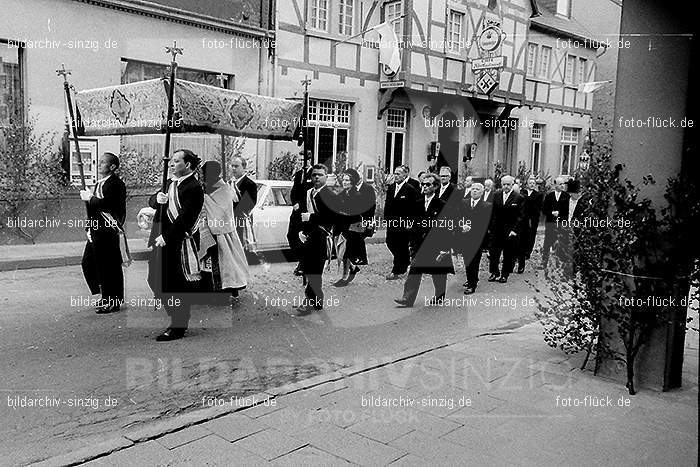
{"points": [[174, 51], [66, 87], [305, 120], [222, 82]]}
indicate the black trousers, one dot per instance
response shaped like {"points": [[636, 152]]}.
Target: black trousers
{"points": [[397, 242], [509, 247], [102, 265], [472, 259], [295, 244], [168, 283], [551, 235], [412, 284], [527, 241], [314, 261]]}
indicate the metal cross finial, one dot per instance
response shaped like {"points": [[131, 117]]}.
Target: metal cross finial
{"points": [[221, 78], [306, 81], [63, 72], [174, 50]]}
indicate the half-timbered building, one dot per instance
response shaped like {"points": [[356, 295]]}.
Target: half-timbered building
{"points": [[480, 81]]}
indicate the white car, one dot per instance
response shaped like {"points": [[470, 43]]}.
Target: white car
{"points": [[270, 216]]}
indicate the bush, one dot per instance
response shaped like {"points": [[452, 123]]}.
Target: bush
{"points": [[30, 170], [283, 166]]}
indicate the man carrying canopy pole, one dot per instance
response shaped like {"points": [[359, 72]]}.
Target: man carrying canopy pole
{"points": [[173, 269]]}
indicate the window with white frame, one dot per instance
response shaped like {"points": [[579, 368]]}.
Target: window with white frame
{"points": [[346, 10], [395, 147], [455, 22], [536, 147], [319, 14], [582, 62], [569, 147], [531, 59], [545, 58], [570, 69], [393, 10], [564, 8], [329, 127]]}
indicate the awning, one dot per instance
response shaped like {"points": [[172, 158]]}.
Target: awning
{"points": [[141, 108]]}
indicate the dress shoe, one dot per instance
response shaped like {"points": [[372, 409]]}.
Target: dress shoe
{"points": [[402, 303], [469, 290], [108, 308], [393, 277], [304, 310], [171, 334], [503, 279], [353, 273], [493, 278], [341, 283]]}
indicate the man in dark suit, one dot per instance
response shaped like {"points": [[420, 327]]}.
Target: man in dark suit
{"points": [[102, 258], [573, 226], [505, 225], [488, 190], [554, 208], [173, 269], [412, 181], [247, 192], [398, 211], [301, 182], [319, 214], [447, 190], [431, 244], [474, 219], [532, 207]]}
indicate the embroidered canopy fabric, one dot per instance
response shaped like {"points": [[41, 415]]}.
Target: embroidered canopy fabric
{"points": [[141, 108]]}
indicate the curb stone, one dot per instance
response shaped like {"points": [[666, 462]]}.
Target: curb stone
{"points": [[87, 453], [199, 416]]}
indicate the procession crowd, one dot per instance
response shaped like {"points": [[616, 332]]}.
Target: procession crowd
{"points": [[201, 228]]}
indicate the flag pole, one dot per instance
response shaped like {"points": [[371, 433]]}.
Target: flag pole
{"points": [[347, 39]]}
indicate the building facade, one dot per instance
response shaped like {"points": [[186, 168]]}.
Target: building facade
{"points": [[383, 121], [113, 42], [532, 113], [561, 55]]}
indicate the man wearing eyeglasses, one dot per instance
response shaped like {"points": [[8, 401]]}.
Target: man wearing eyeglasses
{"points": [[431, 242]]}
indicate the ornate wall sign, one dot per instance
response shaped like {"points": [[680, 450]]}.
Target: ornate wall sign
{"points": [[490, 38]]}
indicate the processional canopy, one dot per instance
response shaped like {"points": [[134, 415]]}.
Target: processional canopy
{"points": [[142, 107]]}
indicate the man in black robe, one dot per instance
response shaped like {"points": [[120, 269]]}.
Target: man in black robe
{"points": [[102, 258], [173, 269]]}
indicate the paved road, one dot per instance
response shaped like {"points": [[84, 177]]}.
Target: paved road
{"points": [[57, 351]]}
